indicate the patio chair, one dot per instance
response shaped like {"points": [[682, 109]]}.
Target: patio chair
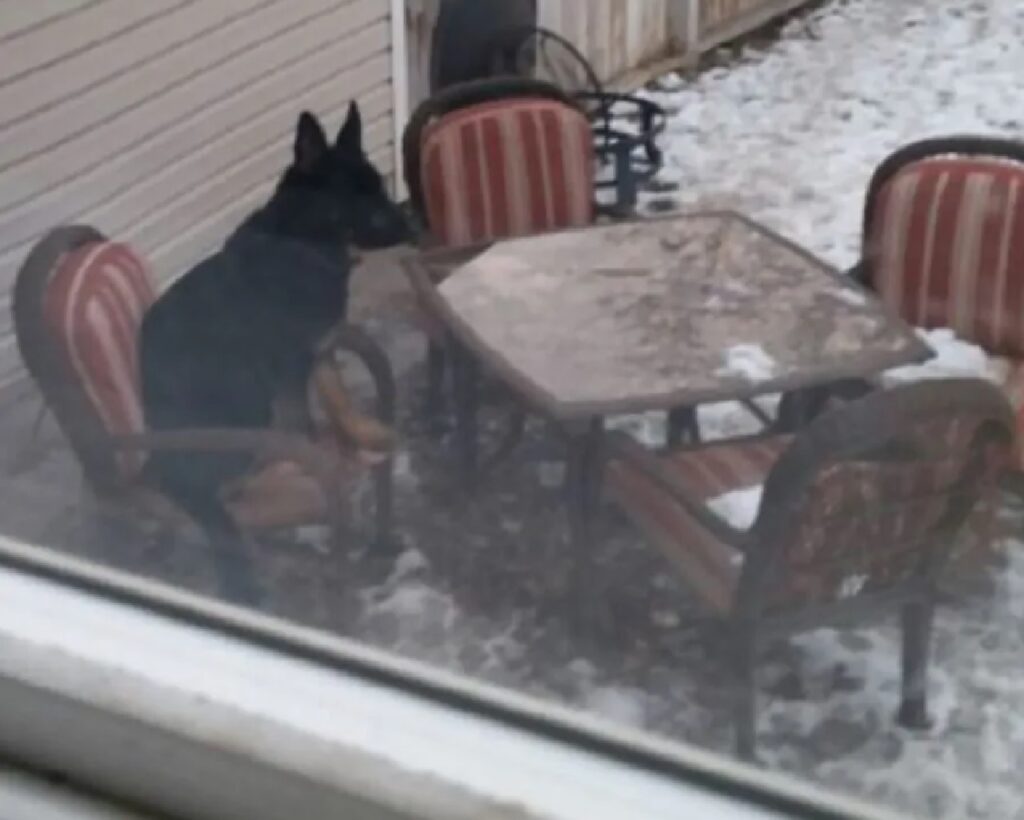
{"points": [[858, 516], [78, 305], [478, 170], [943, 246]]}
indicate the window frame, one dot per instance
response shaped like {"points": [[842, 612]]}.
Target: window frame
{"points": [[59, 609]]}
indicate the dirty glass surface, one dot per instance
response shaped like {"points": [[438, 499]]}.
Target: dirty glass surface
{"points": [[784, 127]]}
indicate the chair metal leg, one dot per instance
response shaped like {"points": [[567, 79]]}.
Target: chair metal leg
{"points": [[745, 715], [682, 425], [236, 577], [917, 629], [466, 381], [384, 492], [583, 481], [582, 490], [436, 366]]}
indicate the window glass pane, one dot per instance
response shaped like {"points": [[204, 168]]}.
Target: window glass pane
{"points": [[425, 393]]}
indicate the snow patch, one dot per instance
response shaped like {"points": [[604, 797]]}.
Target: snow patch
{"points": [[749, 361], [738, 507], [954, 357], [618, 704]]}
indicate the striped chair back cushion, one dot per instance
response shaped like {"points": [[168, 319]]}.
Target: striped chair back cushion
{"points": [[947, 248], [507, 168], [94, 307]]}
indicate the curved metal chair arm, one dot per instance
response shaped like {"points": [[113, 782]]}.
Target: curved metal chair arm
{"points": [[620, 445], [355, 340], [262, 444]]}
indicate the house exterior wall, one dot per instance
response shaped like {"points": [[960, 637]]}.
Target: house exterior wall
{"points": [[164, 122]]}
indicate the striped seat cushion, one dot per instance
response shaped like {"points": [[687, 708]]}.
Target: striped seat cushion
{"points": [[507, 168], [947, 248], [94, 307], [711, 566]]}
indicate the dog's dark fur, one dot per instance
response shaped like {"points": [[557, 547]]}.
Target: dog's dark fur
{"points": [[240, 329]]}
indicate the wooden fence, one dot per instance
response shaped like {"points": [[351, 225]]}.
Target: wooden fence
{"points": [[623, 39], [616, 36]]}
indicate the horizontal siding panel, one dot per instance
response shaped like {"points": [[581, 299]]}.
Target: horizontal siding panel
{"points": [[106, 60], [156, 77], [369, 82], [259, 109], [166, 128], [203, 238], [221, 195], [18, 15], [92, 23], [145, 214], [176, 256], [187, 185], [35, 175]]}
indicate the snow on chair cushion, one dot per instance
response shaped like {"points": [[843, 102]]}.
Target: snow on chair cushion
{"points": [[947, 248], [94, 307], [507, 168]]}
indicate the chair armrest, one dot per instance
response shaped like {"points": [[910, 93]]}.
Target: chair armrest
{"points": [[212, 440], [799, 407], [621, 446], [349, 338], [261, 444]]}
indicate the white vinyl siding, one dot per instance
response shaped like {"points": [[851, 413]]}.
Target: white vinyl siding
{"points": [[163, 122]]}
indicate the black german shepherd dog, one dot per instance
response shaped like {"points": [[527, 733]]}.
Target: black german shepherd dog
{"points": [[240, 330]]}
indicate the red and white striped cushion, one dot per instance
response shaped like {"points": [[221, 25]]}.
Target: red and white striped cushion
{"points": [[947, 246], [507, 168], [94, 306], [705, 472]]}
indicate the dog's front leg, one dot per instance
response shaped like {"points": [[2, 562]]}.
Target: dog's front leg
{"points": [[373, 439]]}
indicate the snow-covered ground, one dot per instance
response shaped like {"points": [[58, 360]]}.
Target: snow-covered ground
{"points": [[790, 135]]}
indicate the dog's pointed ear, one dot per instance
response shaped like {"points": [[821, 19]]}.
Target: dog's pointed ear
{"points": [[310, 142], [350, 137]]}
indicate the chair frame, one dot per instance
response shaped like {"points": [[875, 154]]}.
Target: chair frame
{"points": [[455, 98], [801, 406], [97, 450], [839, 434]]}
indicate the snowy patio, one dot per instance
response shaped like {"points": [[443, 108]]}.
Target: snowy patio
{"points": [[789, 135]]}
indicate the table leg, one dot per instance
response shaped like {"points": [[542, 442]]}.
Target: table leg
{"points": [[682, 423], [466, 383], [582, 480], [584, 471]]}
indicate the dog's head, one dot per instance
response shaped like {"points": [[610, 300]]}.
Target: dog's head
{"points": [[339, 196]]}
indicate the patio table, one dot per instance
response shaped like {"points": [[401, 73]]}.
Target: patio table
{"points": [[655, 314]]}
